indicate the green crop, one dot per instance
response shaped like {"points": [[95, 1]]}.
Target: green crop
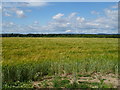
{"points": [[26, 59]]}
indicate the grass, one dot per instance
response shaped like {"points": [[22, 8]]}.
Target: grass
{"points": [[18, 85], [29, 59]]}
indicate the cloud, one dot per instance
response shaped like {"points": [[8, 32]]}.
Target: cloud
{"points": [[112, 14], [36, 22], [68, 31], [8, 24], [0, 8], [7, 14], [95, 12], [107, 23], [58, 16], [72, 15], [20, 13], [14, 11], [79, 19], [35, 4], [25, 3], [115, 6], [9, 8], [73, 23]]}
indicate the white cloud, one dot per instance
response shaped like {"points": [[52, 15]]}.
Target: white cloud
{"points": [[80, 19], [35, 4], [9, 7], [112, 14], [92, 24], [58, 16], [25, 3], [72, 15], [95, 12], [36, 22], [20, 13], [23, 0], [115, 6], [68, 31], [14, 11], [7, 14], [73, 23], [0, 8]]}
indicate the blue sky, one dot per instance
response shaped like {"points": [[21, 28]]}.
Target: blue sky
{"points": [[60, 17]]}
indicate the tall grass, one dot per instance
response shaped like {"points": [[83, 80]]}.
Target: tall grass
{"points": [[26, 59]]}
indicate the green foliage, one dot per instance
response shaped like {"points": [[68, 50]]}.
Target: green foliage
{"points": [[57, 83], [64, 35], [76, 85], [17, 85]]}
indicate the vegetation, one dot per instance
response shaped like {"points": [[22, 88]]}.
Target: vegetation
{"points": [[64, 35], [31, 59]]}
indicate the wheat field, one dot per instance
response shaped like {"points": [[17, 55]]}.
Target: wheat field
{"points": [[29, 59]]}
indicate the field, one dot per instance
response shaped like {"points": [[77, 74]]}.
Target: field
{"points": [[59, 62]]}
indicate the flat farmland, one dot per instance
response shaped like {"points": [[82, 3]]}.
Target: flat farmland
{"points": [[33, 59]]}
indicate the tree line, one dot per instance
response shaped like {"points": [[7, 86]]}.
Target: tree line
{"points": [[63, 35]]}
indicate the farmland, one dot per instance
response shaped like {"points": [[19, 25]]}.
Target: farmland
{"points": [[34, 60]]}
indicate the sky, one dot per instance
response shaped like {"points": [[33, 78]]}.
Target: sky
{"points": [[60, 17]]}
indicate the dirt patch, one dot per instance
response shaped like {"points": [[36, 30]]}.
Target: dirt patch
{"points": [[111, 80]]}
